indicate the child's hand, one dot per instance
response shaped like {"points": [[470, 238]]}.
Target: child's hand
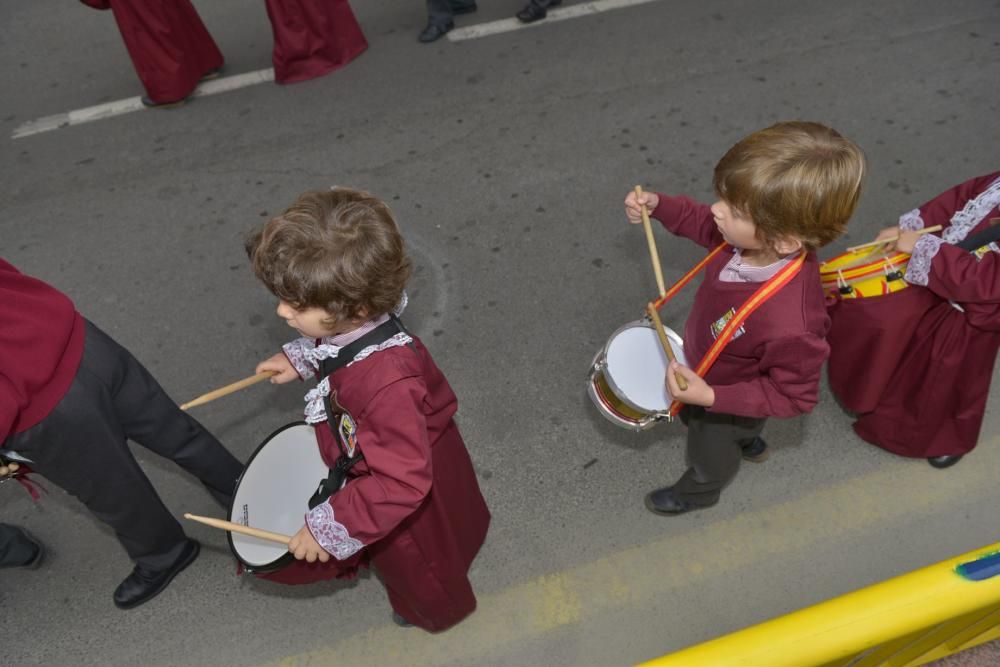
{"points": [[698, 391], [280, 364], [305, 547], [887, 233], [633, 205], [907, 240]]}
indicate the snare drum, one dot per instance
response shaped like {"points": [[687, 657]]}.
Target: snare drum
{"points": [[627, 379], [864, 272], [273, 494]]}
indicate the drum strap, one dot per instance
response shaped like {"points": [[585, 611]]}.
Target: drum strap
{"points": [[687, 277], [346, 354], [756, 300], [985, 237]]}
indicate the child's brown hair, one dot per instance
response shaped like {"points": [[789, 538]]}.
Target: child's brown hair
{"points": [[339, 250], [793, 179]]}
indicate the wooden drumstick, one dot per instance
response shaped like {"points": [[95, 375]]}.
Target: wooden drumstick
{"points": [[238, 528], [228, 389], [652, 243], [651, 309], [892, 239]]}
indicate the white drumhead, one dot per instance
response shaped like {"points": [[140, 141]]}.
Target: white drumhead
{"points": [[274, 491], [637, 365]]}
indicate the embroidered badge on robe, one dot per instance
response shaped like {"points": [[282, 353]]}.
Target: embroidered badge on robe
{"points": [[348, 431], [720, 324], [347, 428]]}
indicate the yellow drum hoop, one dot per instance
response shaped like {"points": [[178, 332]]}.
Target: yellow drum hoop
{"points": [[615, 404], [830, 270]]}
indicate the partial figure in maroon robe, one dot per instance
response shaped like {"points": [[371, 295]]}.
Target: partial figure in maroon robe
{"points": [[933, 408], [313, 37], [169, 45]]}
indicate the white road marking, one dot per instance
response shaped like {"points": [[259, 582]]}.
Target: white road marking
{"points": [[119, 107], [557, 14], [226, 84]]}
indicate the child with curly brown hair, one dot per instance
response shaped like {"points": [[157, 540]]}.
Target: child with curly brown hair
{"points": [[383, 412]]}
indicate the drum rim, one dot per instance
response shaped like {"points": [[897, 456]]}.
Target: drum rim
{"points": [[284, 559], [870, 267], [644, 323]]}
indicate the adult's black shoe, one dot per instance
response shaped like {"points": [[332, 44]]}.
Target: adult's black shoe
{"points": [[663, 501], [533, 12], [433, 32], [944, 461], [145, 584]]}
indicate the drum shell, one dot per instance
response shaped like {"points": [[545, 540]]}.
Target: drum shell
{"points": [[866, 272], [611, 400]]}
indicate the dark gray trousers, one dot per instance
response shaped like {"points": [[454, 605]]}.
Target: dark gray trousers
{"points": [[440, 12], [81, 446], [15, 547], [714, 452]]}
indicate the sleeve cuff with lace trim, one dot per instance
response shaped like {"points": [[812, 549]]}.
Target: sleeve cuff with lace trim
{"points": [[330, 534], [912, 221], [918, 271], [296, 353]]}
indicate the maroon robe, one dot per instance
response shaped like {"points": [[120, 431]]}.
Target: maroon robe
{"points": [[169, 45], [313, 37], [935, 401], [413, 506]]}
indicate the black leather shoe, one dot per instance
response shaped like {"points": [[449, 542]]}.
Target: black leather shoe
{"points": [[944, 461], [467, 8], [36, 560], [38, 551], [533, 12], [662, 501], [433, 32], [144, 584], [756, 450]]}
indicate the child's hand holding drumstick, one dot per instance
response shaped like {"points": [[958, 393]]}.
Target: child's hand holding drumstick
{"points": [[904, 240]]}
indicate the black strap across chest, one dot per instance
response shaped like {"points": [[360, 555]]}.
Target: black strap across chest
{"points": [[985, 237], [327, 367]]}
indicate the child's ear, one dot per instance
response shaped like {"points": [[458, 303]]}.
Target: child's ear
{"points": [[786, 245], [361, 315]]}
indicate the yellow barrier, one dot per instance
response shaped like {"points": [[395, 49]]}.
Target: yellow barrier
{"points": [[906, 621]]}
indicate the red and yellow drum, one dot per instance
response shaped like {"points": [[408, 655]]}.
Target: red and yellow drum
{"points": [[864, 272]]}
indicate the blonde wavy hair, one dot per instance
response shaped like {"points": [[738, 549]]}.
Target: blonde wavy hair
{"points": [[793, 179]]}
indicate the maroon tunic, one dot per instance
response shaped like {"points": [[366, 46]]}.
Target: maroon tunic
{"points": [[935, 402], [41, 345], [772, 367], [412, 508], [313, 37], [169, 45]]}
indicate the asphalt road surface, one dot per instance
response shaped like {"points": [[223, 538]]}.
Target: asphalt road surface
{"points": [[506, 159]]}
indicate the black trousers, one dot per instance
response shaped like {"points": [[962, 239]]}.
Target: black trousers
{"points": [[714, 451], [15, 547], [81, 446], [440, 12]]}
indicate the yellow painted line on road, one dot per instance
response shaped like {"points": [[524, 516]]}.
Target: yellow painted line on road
{"points": [[510, 617]]}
